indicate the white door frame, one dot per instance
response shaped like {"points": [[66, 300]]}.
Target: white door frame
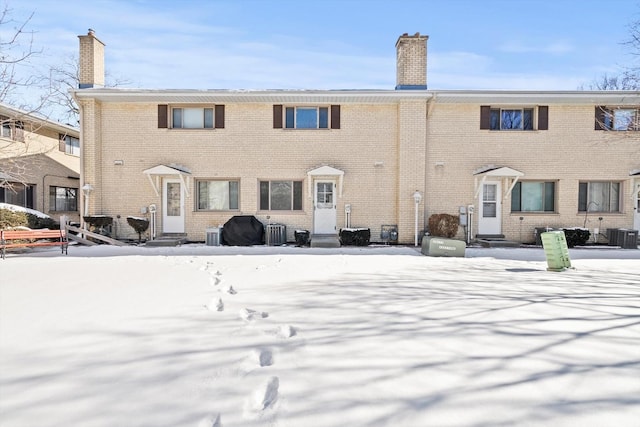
{"points": [[636, 209], [490, 208], [324, 206], [172, 223]]}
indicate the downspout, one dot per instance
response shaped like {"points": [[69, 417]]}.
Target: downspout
{"points": [[82, 154], [430, 105]]}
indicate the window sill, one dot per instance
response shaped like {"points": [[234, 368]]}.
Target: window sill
{"points": [[533, 213]]}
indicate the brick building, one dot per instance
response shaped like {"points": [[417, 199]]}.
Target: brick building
{"points": [[39, 163], [322, 160]]}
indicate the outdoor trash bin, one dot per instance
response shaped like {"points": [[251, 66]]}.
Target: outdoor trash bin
{"points": [[302, 237], [439, 246]]}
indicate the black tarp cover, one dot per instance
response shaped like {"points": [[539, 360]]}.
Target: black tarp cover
{"points": [[243, 230]]}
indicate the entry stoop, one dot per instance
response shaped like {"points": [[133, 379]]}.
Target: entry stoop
{"points": [[495, 241], [325, 241], [173, 239]]}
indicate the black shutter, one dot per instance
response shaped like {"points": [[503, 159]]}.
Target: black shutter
{"points": [[600, 115], [582, 196], [277, 116], [163, 116], [485, 117], [219, 122], [335, 117], [30, 197], [264, 195], [543, 117]]}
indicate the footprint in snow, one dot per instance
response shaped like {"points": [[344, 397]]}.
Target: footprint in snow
{"points": [[265, 395], [210, 421], [265, 357], [286, 331], [249, 315], [214, 281], [231, 291], [215, 305]]}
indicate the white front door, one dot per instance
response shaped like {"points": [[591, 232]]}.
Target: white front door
{"points": [[490, 203], [636, 213], [172, 206], [324, 212]]}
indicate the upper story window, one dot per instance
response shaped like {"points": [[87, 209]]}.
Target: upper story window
{"points": [[603, 196], [617, 118], [217, 195], [70, 145], [183, 117], [306, 117], [533, 196], [510, 118], [281, 195], [12, 129], [6, 127], [192, 118], [63, 199]]}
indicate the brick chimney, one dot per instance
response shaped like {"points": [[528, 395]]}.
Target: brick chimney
{"points": [[91, 72], [411, 62]]}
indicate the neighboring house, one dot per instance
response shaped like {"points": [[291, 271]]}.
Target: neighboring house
{"points": [[39, 163], [322, 160]]}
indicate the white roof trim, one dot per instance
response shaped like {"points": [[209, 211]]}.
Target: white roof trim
{"points": [[504, 97], [164, 170], [509, 175], [499, 171], [325, 171]]}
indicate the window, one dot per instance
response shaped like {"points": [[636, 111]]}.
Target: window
{"points": [[6, 127], [217, 195], [18, 194], [63, 199], [618, 119], [494, 118], [12, 129], [306, 117], [281, 195], [533, 196], [599, 197], [70, 145], [191, 117], [503, 119]]}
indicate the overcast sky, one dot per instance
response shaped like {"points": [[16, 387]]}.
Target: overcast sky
{"points": [[348, 44]]}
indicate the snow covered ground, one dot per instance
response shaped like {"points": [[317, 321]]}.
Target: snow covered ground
{"points": [[283, 336]]}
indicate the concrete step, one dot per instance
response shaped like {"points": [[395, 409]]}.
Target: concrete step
{"points": [[173, 239], [497, 243], [325, 241]]}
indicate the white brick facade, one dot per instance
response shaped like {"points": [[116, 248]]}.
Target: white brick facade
{"points": [[389, 144]]}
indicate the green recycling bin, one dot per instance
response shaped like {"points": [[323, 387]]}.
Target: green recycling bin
{"points": [[556, 250]]}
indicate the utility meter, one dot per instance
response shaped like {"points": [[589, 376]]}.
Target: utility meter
{"points": [[463, 215]]}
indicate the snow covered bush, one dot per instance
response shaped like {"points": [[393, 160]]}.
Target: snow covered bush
{"points": [[443, 225], [11, 219]]}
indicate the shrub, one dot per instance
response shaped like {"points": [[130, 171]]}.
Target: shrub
{"points": [[576, 236], [443, 225], [11, 219], [37, 222]]}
